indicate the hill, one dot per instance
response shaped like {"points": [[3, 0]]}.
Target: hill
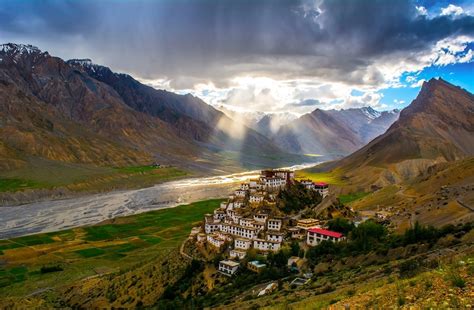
{"points": [[422, 168], [437, 125]]}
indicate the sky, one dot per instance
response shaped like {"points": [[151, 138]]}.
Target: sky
{"points": [[261, 55]]}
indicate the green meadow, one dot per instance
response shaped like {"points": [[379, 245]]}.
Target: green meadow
{"points": [[345, 199], [333, 177], [111, 246], [45, 174]]}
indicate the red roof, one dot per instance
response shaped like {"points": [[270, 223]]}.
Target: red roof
{"points": [[320, 184], [326, 232]]}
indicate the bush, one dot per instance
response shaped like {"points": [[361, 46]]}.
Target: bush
{"points": [[296, 197], [409, 267], [48, 269], [341, 225], [456, 279]]}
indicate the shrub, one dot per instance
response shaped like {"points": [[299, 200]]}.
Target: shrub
{"points": [[401, 300], [341, 225], [456, 279], [409, 267], [48, 269]]}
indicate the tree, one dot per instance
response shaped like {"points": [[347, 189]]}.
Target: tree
{"points": [[278, 259], [367, 235], [296, 197], [341, 225], [321, 251], [295, 248]]}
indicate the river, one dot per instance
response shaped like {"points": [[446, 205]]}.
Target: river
{"points": [[47, 216]]}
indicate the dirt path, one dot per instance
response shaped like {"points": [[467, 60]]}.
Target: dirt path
{"points": [[181, 250]]}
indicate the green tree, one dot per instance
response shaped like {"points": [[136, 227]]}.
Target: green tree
{"points": [[295, 248], [341, 225], [367, 235]]}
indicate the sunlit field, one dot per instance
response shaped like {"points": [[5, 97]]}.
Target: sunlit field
{"points": [[48, 260]]}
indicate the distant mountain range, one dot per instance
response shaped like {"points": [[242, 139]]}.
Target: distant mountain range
{"points": [[79, 112], [329, 132]]}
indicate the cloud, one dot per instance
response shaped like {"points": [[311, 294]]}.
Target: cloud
{"points": [[259, 54], [421, 10], [452, 10]]}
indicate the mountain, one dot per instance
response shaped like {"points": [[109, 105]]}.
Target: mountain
{"points": [[367, 122], [249, 118], [50, 110], [335, 132], [272, 122], [264, 123], [190, 117], [422, 168], [437, 125], [77, 112]]}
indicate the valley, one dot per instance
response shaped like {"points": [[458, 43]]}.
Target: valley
{"points": [[236, 155], [46, 216]]}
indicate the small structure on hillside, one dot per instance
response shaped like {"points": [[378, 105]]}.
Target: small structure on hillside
{"points": [[299, 281], [307, 223], [256, 266], [268, 289], [240, 254], [322, 188], [228, 267], [316, 235]]}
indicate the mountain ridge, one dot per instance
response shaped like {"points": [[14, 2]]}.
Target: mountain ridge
{"points": [[92, 122]]}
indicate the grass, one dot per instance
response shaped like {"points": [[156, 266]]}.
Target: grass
{"points": [[45, 174], [345, 199], [113, 245], [90, 252], [138, 169], [9, 185], [332, 177]]}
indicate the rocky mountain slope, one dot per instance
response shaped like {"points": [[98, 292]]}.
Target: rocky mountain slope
{"points": [[189, 116], [52, 111], [82, 113], [437, 125]]}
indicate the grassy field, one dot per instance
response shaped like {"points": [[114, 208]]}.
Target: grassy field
{"points": [[345, 199], [332, 177], [8, 185], [44, 174], [111, 246]]}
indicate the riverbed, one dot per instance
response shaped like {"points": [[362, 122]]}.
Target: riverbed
{"points": [[47, 216]]}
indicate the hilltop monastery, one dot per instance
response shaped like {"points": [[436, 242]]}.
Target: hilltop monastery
{"points": [[247, 220]]}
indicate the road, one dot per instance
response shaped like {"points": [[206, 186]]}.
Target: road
{"points": [[47, 216]]}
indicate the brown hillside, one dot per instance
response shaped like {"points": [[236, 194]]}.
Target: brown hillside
{"points": [[438, 125]]}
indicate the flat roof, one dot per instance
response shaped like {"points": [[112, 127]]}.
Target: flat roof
{"points": [[275, 232], [256, 263], [229, 263]]}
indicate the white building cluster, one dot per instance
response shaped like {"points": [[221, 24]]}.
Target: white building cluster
{"points": [[244, 221]]}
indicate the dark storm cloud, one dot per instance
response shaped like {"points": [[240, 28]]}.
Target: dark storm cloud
{"points": [[198, 41]]}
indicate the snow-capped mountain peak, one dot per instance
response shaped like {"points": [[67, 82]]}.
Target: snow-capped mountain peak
{"points": [[370, 112]]}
